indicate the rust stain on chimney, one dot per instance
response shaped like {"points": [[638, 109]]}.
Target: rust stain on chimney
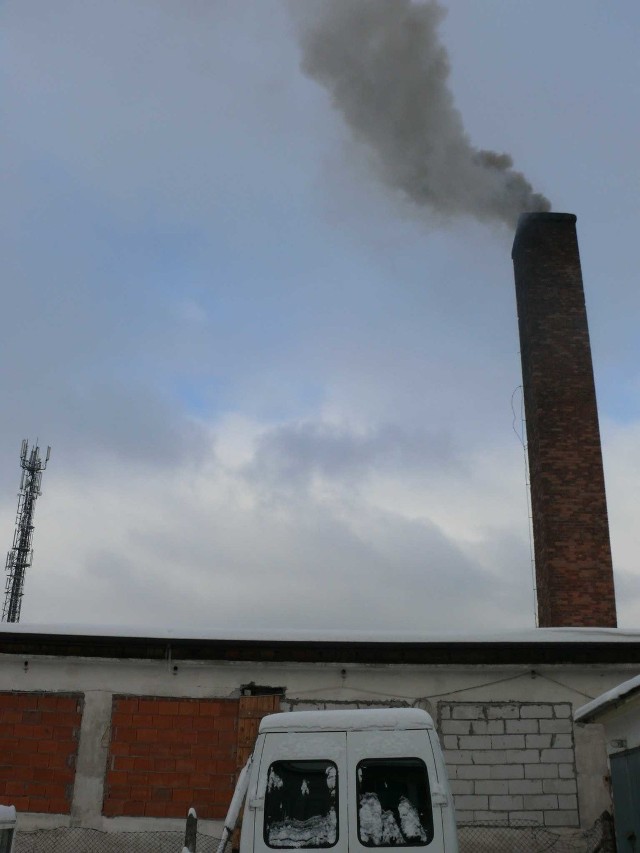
{"points": [[574, 569]]}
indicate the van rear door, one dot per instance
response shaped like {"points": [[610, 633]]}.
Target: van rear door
{"points": [[392, 783], [300, 800]]}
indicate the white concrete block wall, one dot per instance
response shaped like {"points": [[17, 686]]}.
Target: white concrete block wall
{"points": [[511, 761]]}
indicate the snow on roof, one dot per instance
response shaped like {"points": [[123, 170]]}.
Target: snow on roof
{"points": [[532, 635], [352, 720], [611, 697]]}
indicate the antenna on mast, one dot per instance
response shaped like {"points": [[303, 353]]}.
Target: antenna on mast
{"points": [[20, 556]]}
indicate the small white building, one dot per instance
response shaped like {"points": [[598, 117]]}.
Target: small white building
{"points": [[617, 711]]}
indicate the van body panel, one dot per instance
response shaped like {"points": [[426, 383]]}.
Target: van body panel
{"points": [[447, 808], [403, 752], [281, 774]]}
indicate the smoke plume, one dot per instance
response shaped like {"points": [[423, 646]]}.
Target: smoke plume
{"points": [[386, 70]]}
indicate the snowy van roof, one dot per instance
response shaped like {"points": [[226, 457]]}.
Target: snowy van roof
{"points": [[351, 720]]}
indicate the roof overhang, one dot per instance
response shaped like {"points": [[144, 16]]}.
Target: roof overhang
{"points": [[543, 646]]}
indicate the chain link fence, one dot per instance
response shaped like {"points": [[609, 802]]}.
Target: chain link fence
{"points": [[529, 837], [494, 837], [74, 840]]}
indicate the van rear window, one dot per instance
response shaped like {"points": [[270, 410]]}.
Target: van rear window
{"points": [[394, 803], [301, 804]]}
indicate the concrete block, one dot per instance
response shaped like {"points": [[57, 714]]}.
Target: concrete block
{"points": [[538, 741], [464, 817], [490, 816], [507, 771], [537, 711], [561, 818], [490, 756], [445, 712], [455, 727], [450, 742], [540, 771], [568, 801], [525, 786], [456, 756], [540, 801], [474, 771], [522, 727], [490, 727], [537, 817], [462, 786], [491, 786], [561, 741], [503, 712], [523, 756], [563, 711], [471, 802], [467, 712], [554, 727], [559, 786], [507, 803], [567, 771], [475, 742], [507, 741], [557, 756]]}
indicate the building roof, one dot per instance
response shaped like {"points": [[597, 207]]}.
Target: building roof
{"points": [[534, 646], [607, 700]]}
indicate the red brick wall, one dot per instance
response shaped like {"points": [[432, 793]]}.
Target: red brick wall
{"points": [[570, 524], [167, 755], [38, 747]]}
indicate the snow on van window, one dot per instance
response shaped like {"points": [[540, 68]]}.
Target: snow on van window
{"points": [[300, 804], [377, 827], [380, 828], [394, 804], [317, 831], [274, 780], [410, 820], [331, 778]]}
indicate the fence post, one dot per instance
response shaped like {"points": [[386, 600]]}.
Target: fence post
{"points": [[191, 831]]}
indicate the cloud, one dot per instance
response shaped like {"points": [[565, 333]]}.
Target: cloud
{"points": [[291, 454], [204, 544]]}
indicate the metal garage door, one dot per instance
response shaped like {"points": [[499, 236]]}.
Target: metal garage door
{"points": [[625, 780]]}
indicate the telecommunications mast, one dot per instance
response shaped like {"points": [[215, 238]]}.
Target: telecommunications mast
{"points": [[20, 556]]}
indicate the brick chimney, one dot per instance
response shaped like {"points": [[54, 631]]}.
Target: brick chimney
{"points": [[574, 571]]}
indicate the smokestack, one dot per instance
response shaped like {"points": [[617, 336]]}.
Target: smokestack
{"points": [[574, 570]]}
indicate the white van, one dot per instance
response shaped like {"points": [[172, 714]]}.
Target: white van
{"points": [[350, 781]]}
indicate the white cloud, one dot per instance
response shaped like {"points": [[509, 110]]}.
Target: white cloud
{"points": [[204, 544]]}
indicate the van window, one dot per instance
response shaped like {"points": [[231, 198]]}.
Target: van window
{"points": [[301, 804], [394, 803]]}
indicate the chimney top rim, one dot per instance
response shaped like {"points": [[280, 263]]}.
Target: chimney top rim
{"points": [[548, 215], [525, 220]]}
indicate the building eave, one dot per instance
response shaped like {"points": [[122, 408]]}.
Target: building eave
{"points": [[379, 651]]}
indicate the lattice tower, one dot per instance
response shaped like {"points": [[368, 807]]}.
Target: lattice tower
{"points": [[20, 556]]}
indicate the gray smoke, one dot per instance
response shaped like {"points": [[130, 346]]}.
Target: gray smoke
{"points": [[387, 73]]}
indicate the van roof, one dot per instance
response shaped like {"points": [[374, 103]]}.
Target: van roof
{"points": [[350, 720]]}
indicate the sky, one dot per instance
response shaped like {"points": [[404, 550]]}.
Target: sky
{"points": [[281, 392]]}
